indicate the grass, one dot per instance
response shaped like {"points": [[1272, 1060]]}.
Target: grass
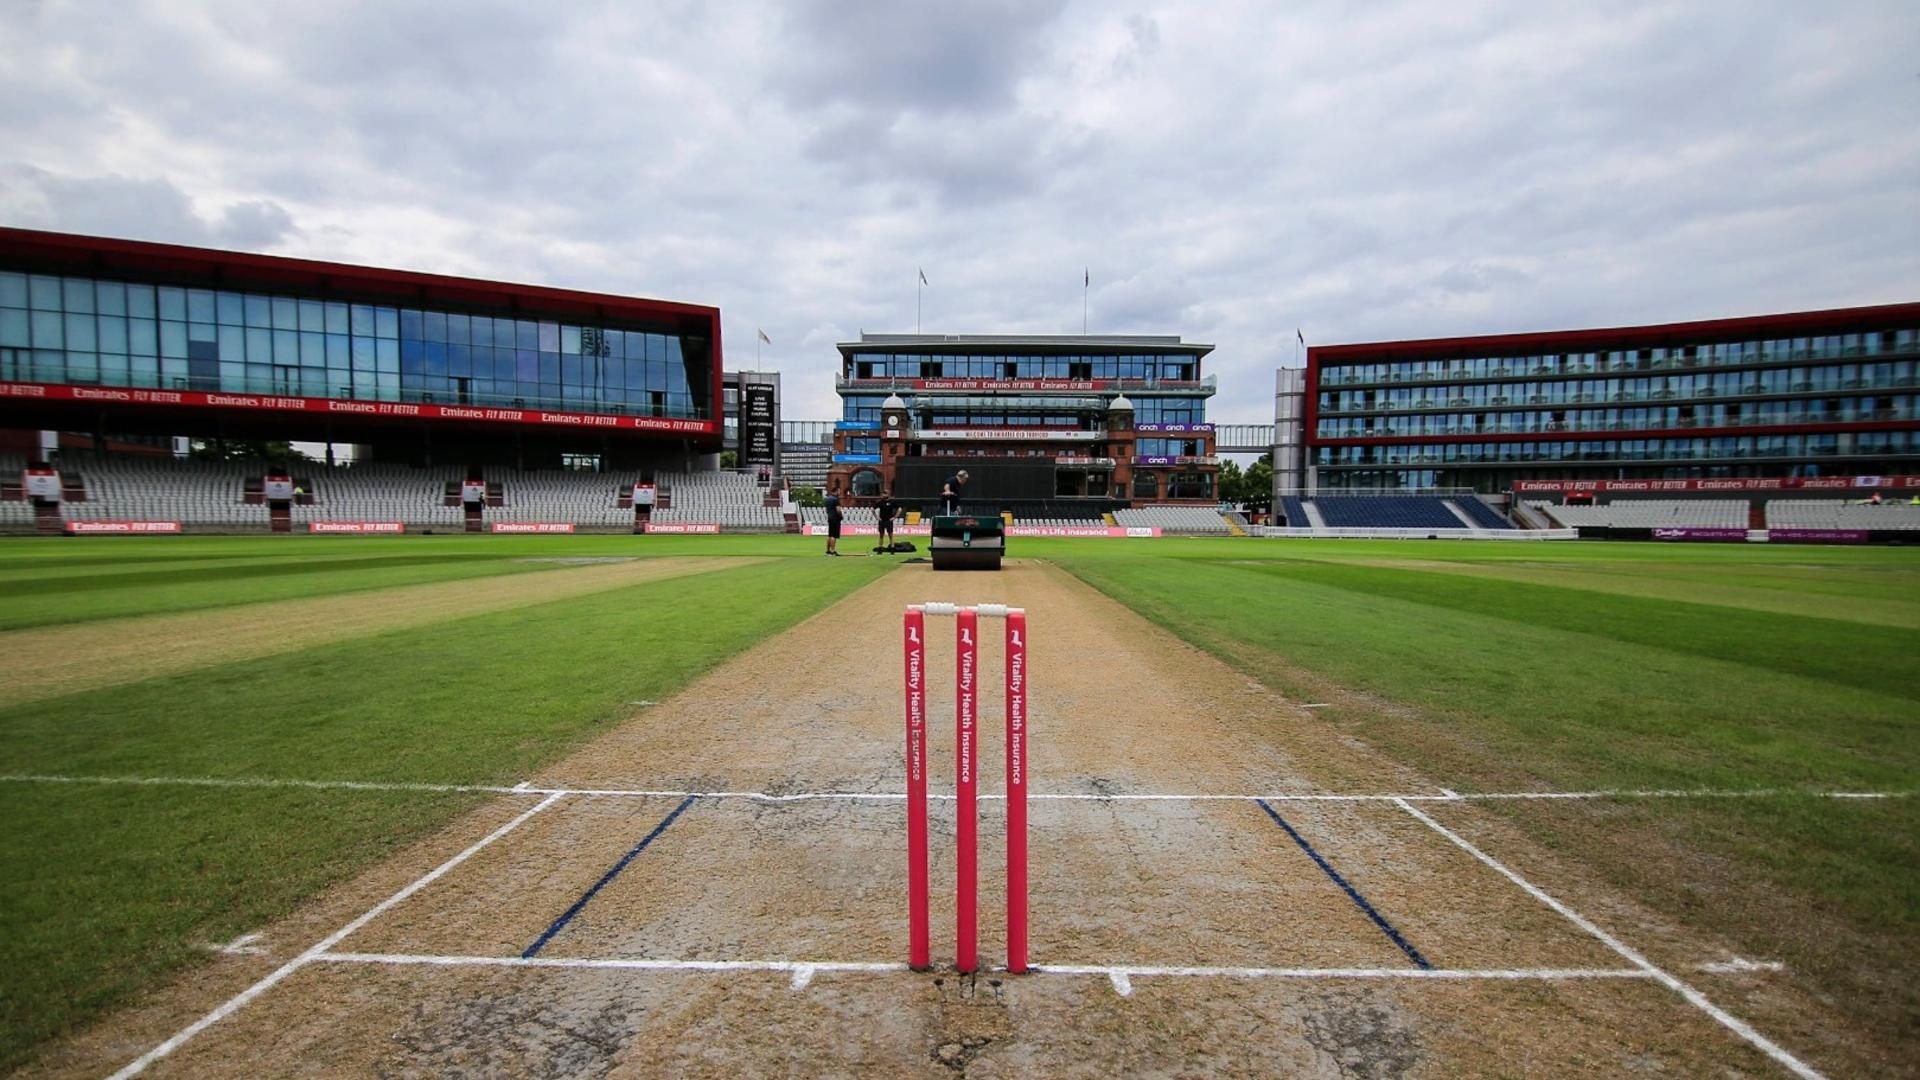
{"points": [[104, 890], [1487, 666], [1493, 672], [46, 582]]}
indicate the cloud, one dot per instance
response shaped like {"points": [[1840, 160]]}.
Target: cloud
{"points": [[892, 57], [149, 209], [1228, 171]]}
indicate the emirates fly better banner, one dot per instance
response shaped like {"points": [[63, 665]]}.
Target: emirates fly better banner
{"points": [[356, 528], [88, 528], [107, 395], [1786, 483]]}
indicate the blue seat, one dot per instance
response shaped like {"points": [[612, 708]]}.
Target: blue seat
{"points": [[1385, 512]]}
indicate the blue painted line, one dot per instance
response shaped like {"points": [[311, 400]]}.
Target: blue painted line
{"points": [[1353, 894], [560, 923]]}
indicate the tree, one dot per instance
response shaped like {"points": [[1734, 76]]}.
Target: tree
{"points": [[1230, 481], [729, 459], [1256, 485], [809, 496]]}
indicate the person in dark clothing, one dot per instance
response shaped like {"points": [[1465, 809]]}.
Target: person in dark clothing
{"points": [[884, 514], [950, 493], [833, 524]]}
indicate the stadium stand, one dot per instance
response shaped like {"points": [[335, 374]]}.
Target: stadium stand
{"points": [[1386, 512], [585, 499], [1190, 520], [1294, 509], [852, 515], [201, 495], [1483, 515], [1058, 522], [732, 500], [379, 493], [1840, 514], [17, 515], [1652, 514]]}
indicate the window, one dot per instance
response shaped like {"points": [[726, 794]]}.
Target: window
{"points": [[866, 484], [1146, 485], [1194, 485]]}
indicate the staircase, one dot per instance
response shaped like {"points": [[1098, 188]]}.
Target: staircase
{"points": [[1235, 524]]}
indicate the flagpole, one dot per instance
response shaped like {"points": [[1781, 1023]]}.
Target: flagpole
{"points": [[1086, 286], [918, 284]]}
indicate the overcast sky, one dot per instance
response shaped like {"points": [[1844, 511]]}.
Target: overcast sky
{"points": [[1226, 171]]}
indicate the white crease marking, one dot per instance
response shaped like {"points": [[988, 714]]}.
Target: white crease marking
{"points": [[1696, 998], [526, 788], [233, 1004], [1740, 966]]}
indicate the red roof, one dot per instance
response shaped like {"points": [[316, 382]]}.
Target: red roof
{"points": [[1704, 331], [64, 253]]}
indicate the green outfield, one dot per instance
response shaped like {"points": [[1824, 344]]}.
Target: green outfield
{"points": [[1779, 671]]}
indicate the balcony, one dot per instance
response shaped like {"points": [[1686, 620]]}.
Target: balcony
{"points": [[1748, 355], [1730, 394], [1206, 386]]}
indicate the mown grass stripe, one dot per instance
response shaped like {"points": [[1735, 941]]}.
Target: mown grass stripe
{"points": [[1831, 649], [106, 889]]}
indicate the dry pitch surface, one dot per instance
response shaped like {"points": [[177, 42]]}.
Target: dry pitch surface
{"points": [[748, 932]]}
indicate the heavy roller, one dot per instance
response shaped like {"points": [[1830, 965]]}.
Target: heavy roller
{"points": [[968, 542]]}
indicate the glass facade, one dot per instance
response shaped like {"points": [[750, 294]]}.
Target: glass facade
{"points": [[1016, 422], [1152, 447], [1618, 361], [1176, 367], [1810, 409], [1676, 411], [966, 412], [116, 333]]}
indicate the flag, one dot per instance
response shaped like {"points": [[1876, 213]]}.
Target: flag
{"points": [[923, 277], [1089, 282], [765, 338], [1298, 334]]}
